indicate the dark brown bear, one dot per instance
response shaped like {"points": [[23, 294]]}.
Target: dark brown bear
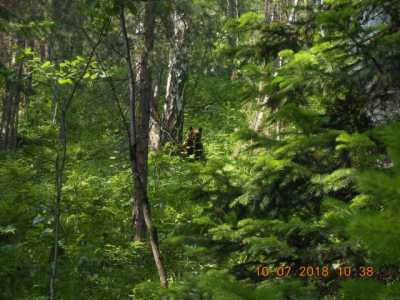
{"points": [[193, 145]]}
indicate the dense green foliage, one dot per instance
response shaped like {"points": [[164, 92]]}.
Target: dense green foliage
{"points": [[316, 184]]}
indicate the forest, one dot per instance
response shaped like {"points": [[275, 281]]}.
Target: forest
{"points": [[200, 149]]}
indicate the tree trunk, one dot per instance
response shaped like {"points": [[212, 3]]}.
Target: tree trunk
{"points": [[61, 156], [139, 135], [232, 12], [142, 134], [172, 119], [59, 175], [258, 119], [292, 16], [171, 127], [271, 12], [267, 8], [155, 122], [11, 101], [138, 224], [54, 53]]}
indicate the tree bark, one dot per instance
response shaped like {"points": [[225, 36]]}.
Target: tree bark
{"points": [[59, 175], [170, 128], [139, 135], [267, 7], [292, 16], [258, 119], [11, 99], [155, 121], [138, 224], [142, 134], [272, 12]]}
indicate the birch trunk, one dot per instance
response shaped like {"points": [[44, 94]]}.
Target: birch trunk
{"points": [[273, 11], [155, 121], [174, 99], [292, 16], [171, 127]]}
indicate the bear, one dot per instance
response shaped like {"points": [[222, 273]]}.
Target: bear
{"points": [[193, 146]]}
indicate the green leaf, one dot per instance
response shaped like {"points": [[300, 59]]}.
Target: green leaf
{"points": [[65, 81]]}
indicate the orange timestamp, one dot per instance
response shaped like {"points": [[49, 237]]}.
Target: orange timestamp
{"points": [[315, 271]]}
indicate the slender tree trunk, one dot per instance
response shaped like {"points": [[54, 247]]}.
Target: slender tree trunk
{"points": [[170, 128], [54, 54], [143, 120], [11, 101], [267, 8], [138, 223], [139, 135], [61, 156], [272, 11], [146, 95], [155, 247], [232, 12], [15, 110], [292, 16], [172, 119], [155, 122], [59, 174], [5, 118], [258, 119]]}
